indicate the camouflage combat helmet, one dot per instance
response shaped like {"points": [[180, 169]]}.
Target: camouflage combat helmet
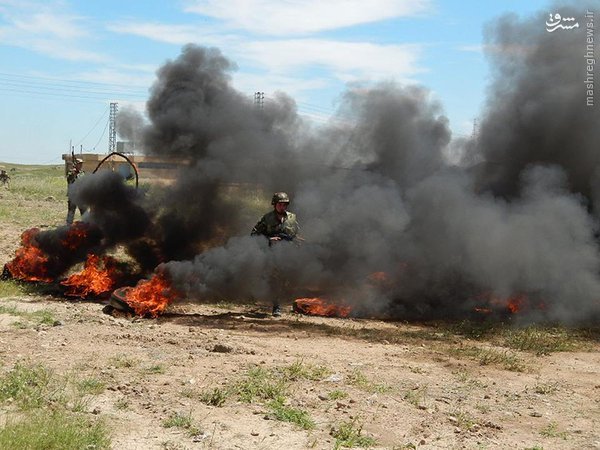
{"points": [[280, 197]]}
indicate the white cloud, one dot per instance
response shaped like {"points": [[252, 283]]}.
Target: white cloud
{"points": [[48, 23], [516, 50], [346, 61], [120, 78], [44, 29], [175, 34], [171, 34], [349, 61], [284, 17], [295, 87]]}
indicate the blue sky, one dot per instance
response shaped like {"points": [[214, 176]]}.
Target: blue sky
{"points": [[62, 62]]}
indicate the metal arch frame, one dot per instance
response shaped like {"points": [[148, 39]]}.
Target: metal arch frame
{"points": [[126, 158]]}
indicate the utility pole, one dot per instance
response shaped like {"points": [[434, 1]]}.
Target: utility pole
{"points": [[112, 129], [475, 134], [259, 99]]}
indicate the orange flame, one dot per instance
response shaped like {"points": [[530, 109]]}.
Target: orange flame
{"points": [[378, 277], [516, 303], [30, 262], [97, 277], [151, 297], [319, 307]]}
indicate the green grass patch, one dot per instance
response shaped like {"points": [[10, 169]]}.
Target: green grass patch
{"points": [[551, 431], [37, 196], [90, 386], [285, 413], [189, 392], [538, 340], [123, 362], [11, 288], [32, 213], [476, 330], [43, 411], [29, 386], [337, 394], [464, 421], [416, 396], [489, 356], [349, 435], [359, 379], [215, 397], [271, 387], [156, 369], [39, 188], [183, 422], [55, 431], [122, 404], [507, 360], [40, 317], [178, 420], [10, 310], [39, 181], [545, 388], [260, 384], [302, 371]]}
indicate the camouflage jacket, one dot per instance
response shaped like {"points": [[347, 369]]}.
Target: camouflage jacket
{"points": [[73, 175], [270, 225]]}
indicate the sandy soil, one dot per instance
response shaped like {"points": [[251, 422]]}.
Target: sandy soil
{"points": [[406, 385]]}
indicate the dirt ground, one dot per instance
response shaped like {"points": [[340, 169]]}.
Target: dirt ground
{"points": [[405, 385]]}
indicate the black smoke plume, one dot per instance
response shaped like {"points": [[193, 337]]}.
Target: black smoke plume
{"points": [[537, 110], [390, 226]]}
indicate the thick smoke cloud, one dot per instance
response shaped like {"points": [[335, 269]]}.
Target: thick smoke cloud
{"points": [[537, 111], [390, 226], [114, 206]]}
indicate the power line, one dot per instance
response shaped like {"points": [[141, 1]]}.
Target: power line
{"points": [[93, 128], [65, 81], [63, 86], [303, 105], [67, 89], [63, 95], [105, 127], [51, 97], [42, 89]]}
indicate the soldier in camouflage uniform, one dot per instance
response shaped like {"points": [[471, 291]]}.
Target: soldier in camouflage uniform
{"points": [[278, 225], [74, 173], [4, 178]]}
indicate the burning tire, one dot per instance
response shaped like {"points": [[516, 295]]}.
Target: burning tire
{"points": [[118, 300]]}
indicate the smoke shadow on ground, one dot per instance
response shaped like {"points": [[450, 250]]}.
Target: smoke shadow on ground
{"points": [[393, 332]]}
